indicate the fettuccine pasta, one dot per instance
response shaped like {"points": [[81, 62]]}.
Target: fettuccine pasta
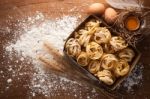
{"points": [[94, 50], [109, 61], [84, 35], [103, 54], [107, 48], [92, 23], [72, 47], [118, 43], [82, 59], [122, 68], [106, 77], [94, 66], [84, 39], [102, 35], [126, 54], [79, 33]]}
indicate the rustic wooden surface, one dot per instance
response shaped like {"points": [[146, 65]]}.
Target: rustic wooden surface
{"points": [[52, 9]]}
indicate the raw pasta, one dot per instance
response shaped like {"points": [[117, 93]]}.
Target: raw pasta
{"points": [[82, 59], [94, 50], [118, 43], [126, 54], [109, 61], [84, 35], [102, 54], [94, 66], [84, 39], [72, 47], [102, 35], [92, 26], [92, 23], [106, 77], [107, 48], [79, 33], [122, 68]]}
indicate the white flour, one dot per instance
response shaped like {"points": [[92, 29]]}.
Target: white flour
{"points": [[134, 79], [9, 80], [30, 44], [54, 31]]}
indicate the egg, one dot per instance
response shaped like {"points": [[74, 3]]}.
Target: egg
{"points": [[110, 15], [96, 8], [132, 23]]}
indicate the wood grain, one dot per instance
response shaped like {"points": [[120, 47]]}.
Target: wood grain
{"points": [[52, 9]]}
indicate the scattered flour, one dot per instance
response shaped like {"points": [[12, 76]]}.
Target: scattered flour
{"points": [[54, 31], [9, 80], [134, 79], [30, 44]]}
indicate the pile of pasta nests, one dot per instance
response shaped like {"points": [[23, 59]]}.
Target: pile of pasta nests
{"points": [[102, 54]]}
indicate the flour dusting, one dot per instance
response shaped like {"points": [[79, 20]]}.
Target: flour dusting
{"points": [[134, 79], [35, 31], [54, 31]]}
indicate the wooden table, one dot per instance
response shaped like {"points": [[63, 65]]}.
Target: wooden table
{"points": [[52, 9]]}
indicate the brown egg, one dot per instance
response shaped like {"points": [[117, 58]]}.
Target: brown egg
{"points": [[110, 15], [96, 8]]}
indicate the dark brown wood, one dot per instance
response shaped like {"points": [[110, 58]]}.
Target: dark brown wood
{"points": [[19, 9]]}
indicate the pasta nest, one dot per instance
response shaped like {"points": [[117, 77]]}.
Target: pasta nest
{"points": [[122, 68], [79, 33], [94, 66], [72, 47], [102, 35], [109, 61], [118, 43], [107, 48], [94, 50], [92, 24], [127, 54], [83, 59], [106, 77], [84, 39]]}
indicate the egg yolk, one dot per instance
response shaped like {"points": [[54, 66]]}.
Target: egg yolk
{"points": [[132, 23]]}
